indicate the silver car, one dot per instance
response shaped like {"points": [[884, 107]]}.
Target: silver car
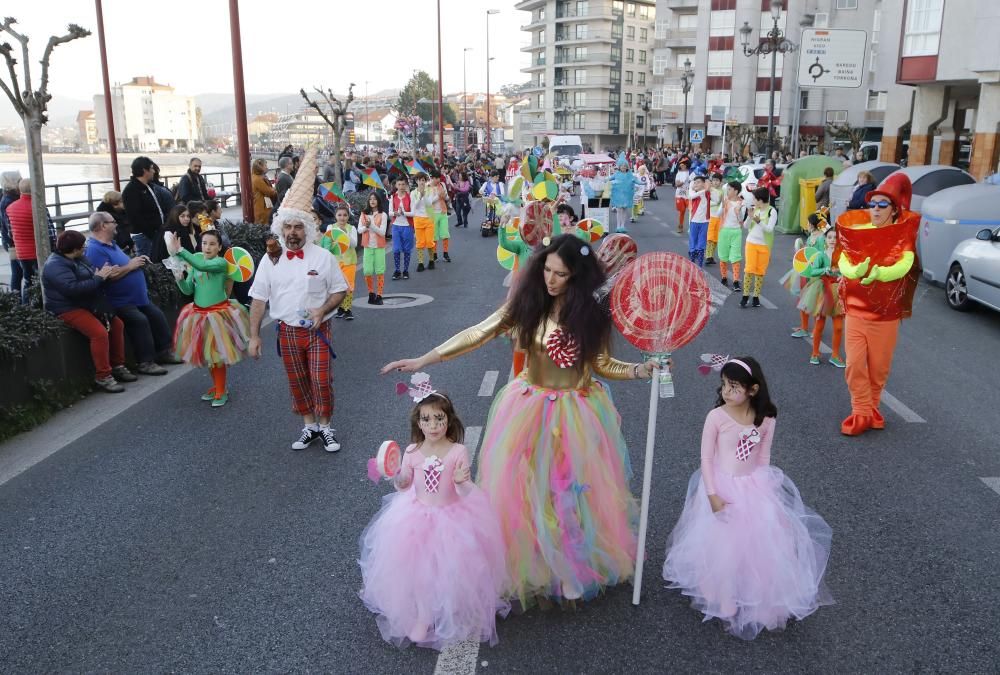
{"points": [[974, 273]]}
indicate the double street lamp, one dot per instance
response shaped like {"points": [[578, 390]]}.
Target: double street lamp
{"points": [[646, 106], [774, 44], [687, 79]]}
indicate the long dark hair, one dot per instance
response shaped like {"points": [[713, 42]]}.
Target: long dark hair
{"points": [[760, 402], [581, 315], [174, 219], [456, 430]]}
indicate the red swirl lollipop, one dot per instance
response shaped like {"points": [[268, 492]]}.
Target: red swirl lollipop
{"points": [[660, 302], [617, 251], [537, 222]]}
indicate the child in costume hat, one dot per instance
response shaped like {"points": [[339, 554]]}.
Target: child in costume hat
{"points": [[623, 186], [432, 559], [760, 235], [880, 269], [820, 296], [746, 550]]}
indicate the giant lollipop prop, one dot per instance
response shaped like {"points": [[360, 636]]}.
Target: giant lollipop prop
{"points": [[660, 303]]}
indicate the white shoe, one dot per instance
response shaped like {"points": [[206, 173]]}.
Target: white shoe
{"points": [[330, 443]]}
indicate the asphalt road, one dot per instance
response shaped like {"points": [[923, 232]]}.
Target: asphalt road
{"points": [[177, 538]]}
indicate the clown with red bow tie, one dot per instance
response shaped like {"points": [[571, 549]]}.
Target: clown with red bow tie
{"points": [[302, 284]]}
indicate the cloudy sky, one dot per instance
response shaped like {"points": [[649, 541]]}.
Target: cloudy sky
{"points": [[287, 44]]}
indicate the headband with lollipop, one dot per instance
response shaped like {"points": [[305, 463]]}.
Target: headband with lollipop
{"points": [[387, 462]]}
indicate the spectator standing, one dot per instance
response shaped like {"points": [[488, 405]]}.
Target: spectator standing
{"points": [[22, 231], [126, 292], [160, 188], [9, 181], [284, 180], [264, 193], [823, 191], [144, 207], [865, 184], [192, 185], [72, 289], [112, 204]]}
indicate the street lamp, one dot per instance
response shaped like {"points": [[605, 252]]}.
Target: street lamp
{"points": [[645, 108], [687, 79], [465, 103], [773, 45], [489, 141]]}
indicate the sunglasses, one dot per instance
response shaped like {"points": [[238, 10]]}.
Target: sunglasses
{"points": [[881, 203]]}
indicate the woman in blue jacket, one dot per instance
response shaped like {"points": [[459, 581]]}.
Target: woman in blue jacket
{"points": [[623, 185], [72, 291]]}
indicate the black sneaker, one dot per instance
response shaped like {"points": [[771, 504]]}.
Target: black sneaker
{"points": [[710, 261], [396, 275], [348, 315], [447, 257], [743, 302], [756, 302], [430, 265], [340, 313], [123, 374], [371, 298], [330, 443], [406, 275], [168, 358], [736, 285], [378, 300], [434, 258], [306, 439], [420, 267], [725, 282]]}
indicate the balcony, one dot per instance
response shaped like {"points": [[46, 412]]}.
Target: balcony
{"points": [[602, 58], [569, 37], [590, 82], [680, 4], [677, 38], [874, 117], [570, 14], [536, 63], [532, 87], [535, 23], [528, 5], [532, 46]]}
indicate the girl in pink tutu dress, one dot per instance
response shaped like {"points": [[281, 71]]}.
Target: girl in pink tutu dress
{"points": [[746, 549], [432, 559]]}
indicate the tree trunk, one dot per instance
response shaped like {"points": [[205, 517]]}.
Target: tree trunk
{"points": [[338, 177], [36, 172]]}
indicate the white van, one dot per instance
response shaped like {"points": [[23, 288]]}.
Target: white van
{"points": [[565, 146]]}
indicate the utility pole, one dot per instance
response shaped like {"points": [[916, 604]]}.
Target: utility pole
{"points": [[239, 93]]}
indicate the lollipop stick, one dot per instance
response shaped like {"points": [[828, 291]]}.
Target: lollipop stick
{"points": [[647, 474]]}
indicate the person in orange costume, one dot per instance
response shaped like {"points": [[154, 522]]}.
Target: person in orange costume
{"points": [[880, 270]]}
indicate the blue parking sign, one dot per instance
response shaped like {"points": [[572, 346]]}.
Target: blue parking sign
{"points": [[538, 151]]}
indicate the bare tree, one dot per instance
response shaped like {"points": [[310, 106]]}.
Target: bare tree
{"points": [[846, 132], [336, 117], [32, 105]]}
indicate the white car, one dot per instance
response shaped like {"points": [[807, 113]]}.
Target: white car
{"points": [[974, 273]]}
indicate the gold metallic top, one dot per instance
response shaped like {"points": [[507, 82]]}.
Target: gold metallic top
{"points": [[541, 370]]}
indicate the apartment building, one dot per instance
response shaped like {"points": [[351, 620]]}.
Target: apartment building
{"points": [[149, 117], [590, 70], [944, 84], [706, 34]]}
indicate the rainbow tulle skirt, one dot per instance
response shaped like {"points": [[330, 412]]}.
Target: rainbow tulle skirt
{"points": [[555, 465], [212, 336]]}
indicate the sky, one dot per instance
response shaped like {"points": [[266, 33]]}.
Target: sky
{"points": [[287, 44]]}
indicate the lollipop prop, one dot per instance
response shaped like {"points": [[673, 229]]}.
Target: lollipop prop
{"points": [[660, 303], [386, 463], [240, 263]]}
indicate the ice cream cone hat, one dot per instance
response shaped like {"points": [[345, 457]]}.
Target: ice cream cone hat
{"points": [[297, 203]]}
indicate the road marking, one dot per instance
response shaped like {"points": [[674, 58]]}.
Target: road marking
{"points": [[767, 303], [489, 383], [472, 435], [459, 659], [900, 409], [993, 483]]}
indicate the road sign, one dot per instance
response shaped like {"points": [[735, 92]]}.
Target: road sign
{"points": [[714, 129], [832, 58], [718, 114], [538, 151], [697, 135]]}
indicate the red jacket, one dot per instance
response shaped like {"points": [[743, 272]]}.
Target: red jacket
{"points": [[22, 228]]}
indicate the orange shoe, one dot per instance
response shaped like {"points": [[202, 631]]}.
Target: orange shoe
{"points": [[878, 422], [855, 425]]}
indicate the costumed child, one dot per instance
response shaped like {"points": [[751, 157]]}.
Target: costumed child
{"points": [[681, 179], [432, 559], [213, 331], [348, 260], [200, 218], [372, 228], [821, 297], [760, 233], [623, 186], [700, 205], [746, 549], [716, 195], [568, 223], [423, 223], [438, 211], [401, 217], [641, 192], [795, 282], [731, 219]]}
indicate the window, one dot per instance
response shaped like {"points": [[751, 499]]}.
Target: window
{"points": [[628, 77], [722, 23], [540, 35], [630, 9], [877, 100], [581, 31], [628, 100], [662, 26], [643, 35], [582, 7], [541, 101], [836, 116], [716, 97], [616, 31], [579, 121], [616, 76], [580, 54], [767, 23], [659, 63], [720, 62], [761, 102], [923, 27], [687, 22], [579, 98], [847, 4], [642, 77], [644, 12], [638, 121], [540, 15], [618, 7], [673, 95], [616, 54], [657, 100], [614, 100], [630, 32], [630, 56], [681, 58], [640, 100], [614, 123], [876, 25], [642, 56], [580, 76]]}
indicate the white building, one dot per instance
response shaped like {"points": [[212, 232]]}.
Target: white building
{"points": [[149, 117]]}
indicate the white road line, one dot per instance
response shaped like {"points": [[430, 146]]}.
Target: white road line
{"points": [[900, 409], [472, 435], [459, 659], [767, 303], [993, 483], [489, 383]]}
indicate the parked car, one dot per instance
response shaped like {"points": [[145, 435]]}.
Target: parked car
{"points": [[974, 274]]}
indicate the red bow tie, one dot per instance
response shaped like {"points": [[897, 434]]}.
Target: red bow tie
{"points": [[295, 254]]}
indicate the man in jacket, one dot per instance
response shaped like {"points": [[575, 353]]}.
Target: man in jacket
{"points": [[146, 214], [284, 180], [192, 185]]}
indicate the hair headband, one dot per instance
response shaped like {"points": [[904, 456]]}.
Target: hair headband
{"points": [[743, 364], [717, 361], [418, 389]]}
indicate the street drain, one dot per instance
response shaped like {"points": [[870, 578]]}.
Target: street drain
{"points": [[395, 301]]}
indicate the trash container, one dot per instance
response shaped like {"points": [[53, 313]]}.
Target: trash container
{"points": [[807, 199]]}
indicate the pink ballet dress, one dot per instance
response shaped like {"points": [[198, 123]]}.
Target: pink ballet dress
{"points": [[760, 561], [432, 559]]}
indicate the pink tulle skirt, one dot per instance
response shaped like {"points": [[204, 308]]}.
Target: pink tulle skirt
{"points": [[434, 575], [757, 563]]}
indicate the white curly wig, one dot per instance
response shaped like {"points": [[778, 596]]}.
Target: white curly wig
{"points": [[288, 214]]}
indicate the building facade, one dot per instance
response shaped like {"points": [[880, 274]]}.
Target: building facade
{"points": [[149, 117], [706, 34], [590, 71], [86, 127]]}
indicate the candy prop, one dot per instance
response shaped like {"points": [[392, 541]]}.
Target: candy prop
{"points": [[537, 222], [507, 260], [386, 463], [592, 227], [338, 239], [240, 263], [659, 303], [546, 189], [804, 259], [712, 362], [562, 349], [615, 254]]}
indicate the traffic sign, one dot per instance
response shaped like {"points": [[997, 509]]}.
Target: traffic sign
{"points": [[697, 135], [714, 128], [718, 113], [832, 58]]}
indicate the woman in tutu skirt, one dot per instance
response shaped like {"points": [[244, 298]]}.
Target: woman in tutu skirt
{"points": [[213, 331], [553, 459], [432, 558], [746, 549]]}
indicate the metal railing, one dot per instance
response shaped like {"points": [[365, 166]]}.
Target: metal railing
{"points": [[583, 58]]}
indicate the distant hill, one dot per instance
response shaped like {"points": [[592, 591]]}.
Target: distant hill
{"points": [[62, 111]]}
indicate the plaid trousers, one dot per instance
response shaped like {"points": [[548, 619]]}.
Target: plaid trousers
{"points": [[307, 365]]}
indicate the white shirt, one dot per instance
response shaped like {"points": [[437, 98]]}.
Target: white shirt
{"points": [[762, 219], [419, 203], [294, 284], [699, 213], [681, 180], [732, 212]]}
